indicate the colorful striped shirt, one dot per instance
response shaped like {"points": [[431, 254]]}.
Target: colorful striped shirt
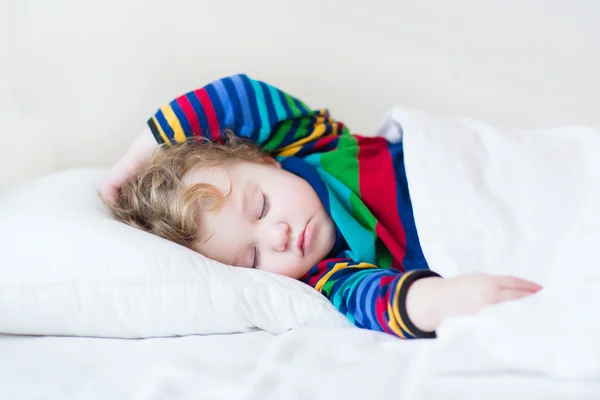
{"points": [[361, 182]]}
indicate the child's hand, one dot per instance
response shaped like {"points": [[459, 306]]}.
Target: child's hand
{"points": [[137, 156], [431, 300]]}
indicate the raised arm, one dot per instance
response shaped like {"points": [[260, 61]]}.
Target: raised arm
{"points": [[248, 108]]}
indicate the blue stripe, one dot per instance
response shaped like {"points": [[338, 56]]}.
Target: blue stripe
{"points": [[286, 106], [277, 103], [365, 296], [165, 126], [289, 138], [345, 287], [357, 310], [328, 129], [216, 103], [413, 258], [248, 122], [309, 173], [228, 119], [360, 240], [301, 106], [199, 110], [273, 117], [253, 110], [306, 148], [265, 128], [237, 116], [185, 124]]}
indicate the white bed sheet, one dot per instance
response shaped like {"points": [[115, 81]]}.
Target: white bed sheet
{"points": [[301, 364]]}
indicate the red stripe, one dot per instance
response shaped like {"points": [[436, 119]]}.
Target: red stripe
{"points": [[321, 143], [191, 116], [211, 116], [382, 301], [322, 268], [397, 244], [379, 193]]}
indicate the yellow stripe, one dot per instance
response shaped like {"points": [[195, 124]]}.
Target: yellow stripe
{"points": [[393, 323], [160, 130], [295, 147], [396, 311], [337, 267], [334, 129], [324, 279], [290, 151], [174, 123]]}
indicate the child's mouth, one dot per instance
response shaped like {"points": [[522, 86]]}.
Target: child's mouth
{"points": [[304, 238]]}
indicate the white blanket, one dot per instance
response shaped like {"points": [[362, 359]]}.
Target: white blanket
{"points": [[523, 203], [306, 364]]}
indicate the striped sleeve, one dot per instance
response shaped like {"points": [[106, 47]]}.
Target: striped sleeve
{"points": [[251, 109], [370, 297]]}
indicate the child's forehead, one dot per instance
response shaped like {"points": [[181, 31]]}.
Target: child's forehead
{"points": [[218, 176]]}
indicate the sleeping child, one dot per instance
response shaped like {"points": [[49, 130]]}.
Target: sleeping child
{"points": [[249, 176]]}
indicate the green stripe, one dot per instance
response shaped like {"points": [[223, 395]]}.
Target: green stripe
{"points": [[350, 284], [384, 256], [295, 111], [279, 109], [306, 108], [302, 130], [279, 136], [343, 164], [265, 128], [361, 213]]}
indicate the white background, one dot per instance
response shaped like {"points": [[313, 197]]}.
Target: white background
{"points": [[80, 78]]}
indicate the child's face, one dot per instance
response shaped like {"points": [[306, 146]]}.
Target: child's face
{"points": [[272, 219]]}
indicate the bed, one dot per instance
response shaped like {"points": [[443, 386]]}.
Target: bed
{"points": [[84, 78], [301, 364]]}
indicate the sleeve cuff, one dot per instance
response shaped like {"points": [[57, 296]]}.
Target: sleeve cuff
{"points": [[155, 132], [412, 277]]}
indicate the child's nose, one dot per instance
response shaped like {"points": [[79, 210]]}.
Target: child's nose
{"points": [[279, 236]]}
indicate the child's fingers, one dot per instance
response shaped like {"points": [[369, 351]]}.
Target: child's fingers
{"points": [[108, 193], [511, 282], [511, 294]]}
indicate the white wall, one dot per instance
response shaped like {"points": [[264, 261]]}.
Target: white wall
{"points": [[81, 77]]}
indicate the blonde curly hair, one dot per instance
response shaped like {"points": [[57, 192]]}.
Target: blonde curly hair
{"points": [[157, 200]]}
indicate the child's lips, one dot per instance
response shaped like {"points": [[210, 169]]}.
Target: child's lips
{"points": [[300, 242], [304, 238]]}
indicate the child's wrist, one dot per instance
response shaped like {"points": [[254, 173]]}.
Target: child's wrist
{"points": [[422, 307]]}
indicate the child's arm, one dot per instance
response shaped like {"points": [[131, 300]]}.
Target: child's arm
{"points": [[250, 109], [429, 301], [279, 123], [407, 305], [135, 158], [370, 297]]}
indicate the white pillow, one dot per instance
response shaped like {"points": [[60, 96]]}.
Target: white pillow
{"points": [[67, 268]]}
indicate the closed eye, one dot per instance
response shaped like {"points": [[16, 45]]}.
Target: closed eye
{"points": [[266, 206], [256, 258]]}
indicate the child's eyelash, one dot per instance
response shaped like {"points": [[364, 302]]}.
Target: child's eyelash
{"points": [[266, 206], [256, 258], [263, 213]]}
